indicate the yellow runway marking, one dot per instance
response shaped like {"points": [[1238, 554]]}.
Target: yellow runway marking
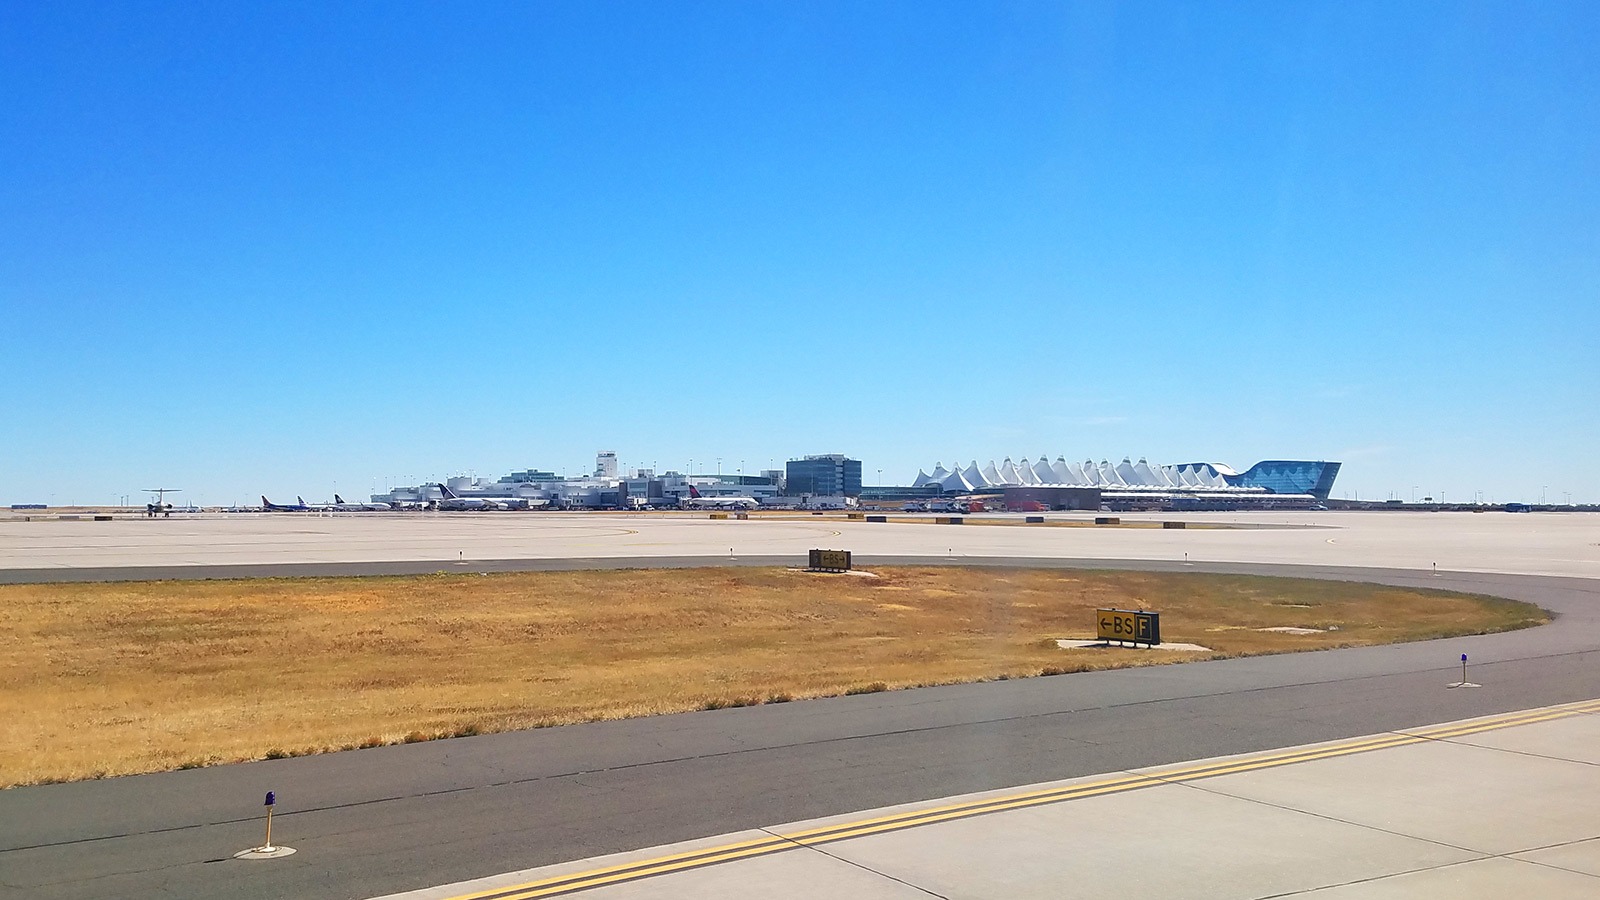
{"points": [[677, 862]]}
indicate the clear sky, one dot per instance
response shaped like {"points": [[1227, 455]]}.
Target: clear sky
{"points": [[299, 248]]}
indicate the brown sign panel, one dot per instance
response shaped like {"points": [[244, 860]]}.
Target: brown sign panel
{"points": [[831, 560]]}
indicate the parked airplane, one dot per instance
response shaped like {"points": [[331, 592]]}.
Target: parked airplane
{"points": [[449, 500], [340, 505], [269, 506], [157, 507], [696, 501]]}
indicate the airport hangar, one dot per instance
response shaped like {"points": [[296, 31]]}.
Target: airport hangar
{"points": [[399, 817]]}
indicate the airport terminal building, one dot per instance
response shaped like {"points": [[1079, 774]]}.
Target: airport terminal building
{"points": [[825, 481], [833, 480], [1135, 485]]}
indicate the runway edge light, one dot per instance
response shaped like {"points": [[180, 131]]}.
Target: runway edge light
{"points": [[1463, 683], [267, 850]]}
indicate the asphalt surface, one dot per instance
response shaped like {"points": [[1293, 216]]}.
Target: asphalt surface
{"points": [[1529, 544], [388, 819]]}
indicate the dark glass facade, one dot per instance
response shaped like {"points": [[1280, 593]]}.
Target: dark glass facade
{"points": [[1290, 476], [900, 492], [827, 476]]}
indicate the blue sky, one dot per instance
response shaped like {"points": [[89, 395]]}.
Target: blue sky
{"points": [[290, 249]]}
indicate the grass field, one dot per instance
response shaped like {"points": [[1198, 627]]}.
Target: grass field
{"points": [[107, 679]]}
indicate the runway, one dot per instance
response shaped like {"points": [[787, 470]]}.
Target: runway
{"points": [[1531, 544], [400, 818]]}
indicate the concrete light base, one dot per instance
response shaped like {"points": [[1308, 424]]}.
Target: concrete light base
{"points": [[1071, 644], [264, 853]]}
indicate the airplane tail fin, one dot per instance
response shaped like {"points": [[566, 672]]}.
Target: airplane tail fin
{"points": [[265, 503], [445, 492], [338, 499], [299, 499], [694, 493]]}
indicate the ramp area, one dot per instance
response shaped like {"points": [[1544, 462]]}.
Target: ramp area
{"points": [[1478, 808]]}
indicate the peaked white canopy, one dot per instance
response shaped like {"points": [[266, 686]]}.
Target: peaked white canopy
{"points": [[973, 476], [1127, 474], [954, 483], [1044, 472]]}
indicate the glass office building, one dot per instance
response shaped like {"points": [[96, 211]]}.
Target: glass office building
{"points": [[827, 475]]}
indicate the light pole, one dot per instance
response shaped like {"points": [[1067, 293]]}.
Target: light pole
{"points": [[1541, 493], [1413, 493]]}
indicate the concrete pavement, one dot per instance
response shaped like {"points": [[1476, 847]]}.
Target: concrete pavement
{"points": [[1531, 543], [1480, 808]]}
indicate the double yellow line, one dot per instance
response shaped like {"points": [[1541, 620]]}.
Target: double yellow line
{"points": [[777, 843]]}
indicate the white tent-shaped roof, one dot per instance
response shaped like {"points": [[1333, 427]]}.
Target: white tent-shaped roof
{"points": [[991, 477], [953, 482], [1127, 474], [973, 476], [1157, 476], [1108, 474], [1141, 474], [1059, 467], [1008, 473], [1025, 472], [1091, 474], [1043, 472]]}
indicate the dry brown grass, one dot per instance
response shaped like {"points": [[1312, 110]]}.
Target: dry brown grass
{"points": [[106, 679]]}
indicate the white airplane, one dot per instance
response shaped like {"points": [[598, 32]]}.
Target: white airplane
{"points": [[299, 505], [696, 501], [159, 506], [450, 501], [339, 505]]}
